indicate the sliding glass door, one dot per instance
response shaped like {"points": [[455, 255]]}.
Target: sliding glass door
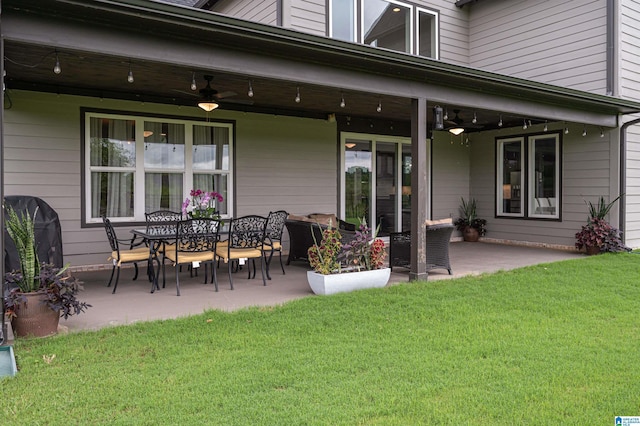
{"points": [[376, 183]]}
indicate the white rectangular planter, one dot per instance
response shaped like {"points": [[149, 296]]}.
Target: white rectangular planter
{"points": [[347, 281]]}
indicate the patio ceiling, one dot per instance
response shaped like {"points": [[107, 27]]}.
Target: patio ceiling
{"points": [[95, 72]]}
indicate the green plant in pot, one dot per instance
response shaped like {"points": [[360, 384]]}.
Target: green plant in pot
{"points": [[38, 294], [598, 235], [471, 226]]}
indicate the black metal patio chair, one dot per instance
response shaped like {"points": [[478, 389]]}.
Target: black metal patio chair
{"points": [[194, 244], [245, 242], [136, 252], [273, 236]]}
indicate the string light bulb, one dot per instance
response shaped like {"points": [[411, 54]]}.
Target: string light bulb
{"points": [[500, 121], [250, 91], [194, 86], [130, 75], [584, 130], [446, 115], [524, 125], [56, 68], [342, 103], [474, 120], [566, 129], [546, 126], [379, 107], [297, 99], [601, 132]]}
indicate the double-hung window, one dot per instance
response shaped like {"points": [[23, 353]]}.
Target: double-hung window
{"points": [[135, 165], [528, 176], [388, 24]]}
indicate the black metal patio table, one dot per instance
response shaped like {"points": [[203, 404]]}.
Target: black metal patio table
{"points": [[157, 236]]}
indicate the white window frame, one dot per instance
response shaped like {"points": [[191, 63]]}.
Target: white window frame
{"points": [[415, 11], [374, 139], [412, 13], [436, 31], [139, 169]]}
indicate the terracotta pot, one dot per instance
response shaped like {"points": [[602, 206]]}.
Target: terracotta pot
{"points": [[591, 250], [470, 234], [35, 318]]}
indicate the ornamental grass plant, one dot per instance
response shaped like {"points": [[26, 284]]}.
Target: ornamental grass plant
{"points": [[552, 344]]}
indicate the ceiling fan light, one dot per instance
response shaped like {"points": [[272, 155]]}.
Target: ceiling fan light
{"points": [[208, 105], [456, 130]]}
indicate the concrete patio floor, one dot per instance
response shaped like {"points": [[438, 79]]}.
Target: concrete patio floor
{"points": [[133, 301]]}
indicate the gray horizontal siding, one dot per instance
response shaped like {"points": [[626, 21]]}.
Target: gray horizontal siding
{"points": [[264, 11], [587, 174], [562, 43], [308, 16], [629, 49], [281, 163]]}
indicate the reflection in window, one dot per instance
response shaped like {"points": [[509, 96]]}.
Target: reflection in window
{"points": [[534, 179], [177, 156], [388, 24], [511, 176], [343, 20], [427, 34], [112, 156], [357, 181], [543, 186], [112, 194], [163, 145]]}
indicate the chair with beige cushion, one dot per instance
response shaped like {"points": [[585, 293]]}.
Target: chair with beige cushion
{"points": [[120, 255], [245, 242], [273, 237], [194, 244]]}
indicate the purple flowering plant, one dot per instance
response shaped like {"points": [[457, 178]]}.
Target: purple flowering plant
{"points": [[202, 204]]}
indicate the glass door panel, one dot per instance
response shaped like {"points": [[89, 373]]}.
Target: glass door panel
{"points": [[406, 187], [386, 188], [357, 180]]}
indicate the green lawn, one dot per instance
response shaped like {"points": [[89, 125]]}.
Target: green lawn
{"points": [[546, 345]]}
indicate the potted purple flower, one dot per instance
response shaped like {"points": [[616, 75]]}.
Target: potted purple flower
{"points": [[202, 204]]}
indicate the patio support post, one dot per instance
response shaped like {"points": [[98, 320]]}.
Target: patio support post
{"points": [[3, 325], [419, 189]]}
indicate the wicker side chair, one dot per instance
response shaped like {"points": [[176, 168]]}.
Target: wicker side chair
{"points": [[438, 238]]}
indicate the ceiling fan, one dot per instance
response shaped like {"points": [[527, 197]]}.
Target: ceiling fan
{"points": [[210, 97], [457, 124]]}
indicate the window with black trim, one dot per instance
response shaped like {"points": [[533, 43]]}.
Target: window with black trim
{"points": [[388, 24], [528, 176], [135, 165]]}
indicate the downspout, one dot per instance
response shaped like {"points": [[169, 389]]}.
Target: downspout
{"points": [[610, 45], [623, 173], [3, 338]]}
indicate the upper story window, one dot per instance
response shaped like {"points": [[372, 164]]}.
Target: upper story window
{"points": [[387, 24], [136, 165]]}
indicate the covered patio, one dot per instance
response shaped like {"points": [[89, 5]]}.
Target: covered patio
{"points": [[133, 301]]}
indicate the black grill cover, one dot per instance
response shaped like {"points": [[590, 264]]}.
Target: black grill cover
{"points": [[47, 230]]}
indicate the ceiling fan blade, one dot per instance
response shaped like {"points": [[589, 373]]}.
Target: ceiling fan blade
{"points": [[236, 101], [184, 92], [225, 94]]}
